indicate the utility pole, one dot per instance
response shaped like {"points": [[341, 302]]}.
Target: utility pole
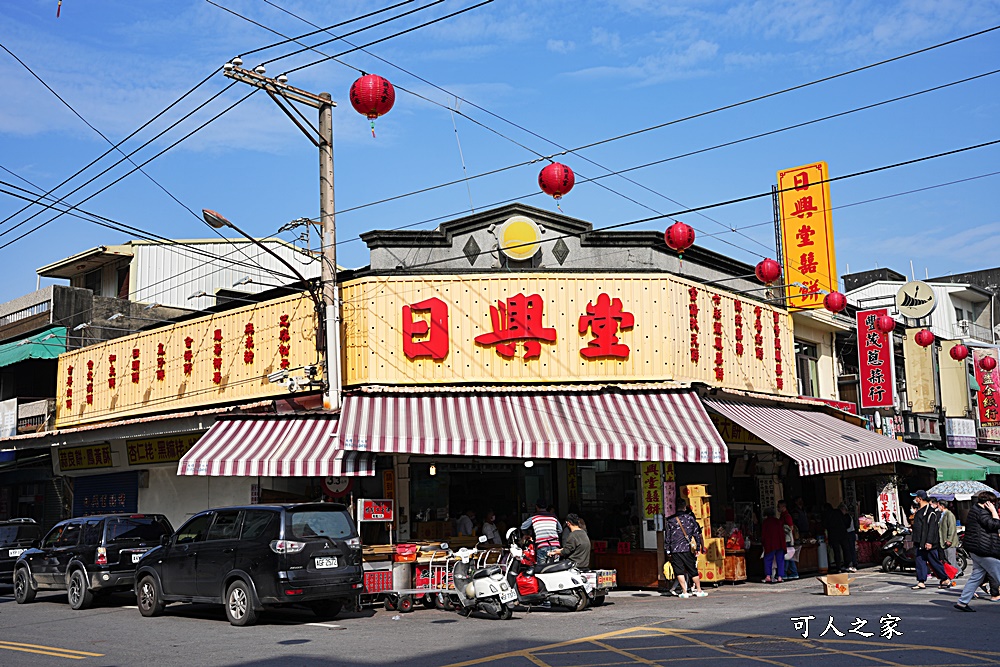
{"points": [[322, 137]]}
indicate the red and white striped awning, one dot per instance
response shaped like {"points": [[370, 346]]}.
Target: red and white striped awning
{"points": [[819, 442], [460, 425], [296, 446], [667, 426]]}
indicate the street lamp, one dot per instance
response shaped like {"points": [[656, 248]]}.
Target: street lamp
{"points": [[216, 220]]}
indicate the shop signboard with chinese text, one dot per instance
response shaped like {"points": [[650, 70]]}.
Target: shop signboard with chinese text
{"points": [[652, 489], [669, 488], [960, 433], [989, 388], [216, 359], [918, 362], [165, 449], [376, 510], [84, 458], [808, 256], [888, 505], [878, 379], [545, 328]]}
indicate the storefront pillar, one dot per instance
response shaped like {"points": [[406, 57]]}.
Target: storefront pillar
{"points": [[403, 509]]}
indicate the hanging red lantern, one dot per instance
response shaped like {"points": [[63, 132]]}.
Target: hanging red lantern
{"points": [[679, 237], [556, 180], [768, 271], [835, 302], [987, 363], [923, 338], [959, 352], [372, 96], [885, 324]]}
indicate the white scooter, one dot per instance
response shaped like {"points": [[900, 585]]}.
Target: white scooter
{"points": [[560, 582], [483, 589]]}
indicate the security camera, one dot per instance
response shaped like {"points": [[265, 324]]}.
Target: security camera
{"points": [[238, 62], [277, 377], [260, 69], [309, 370], [282, 79], [292, 385]]}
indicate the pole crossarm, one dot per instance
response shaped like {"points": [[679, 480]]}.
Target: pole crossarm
{"points": [[266, 83]]}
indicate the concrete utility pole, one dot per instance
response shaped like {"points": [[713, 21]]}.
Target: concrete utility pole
{"points": [[322, 137]]}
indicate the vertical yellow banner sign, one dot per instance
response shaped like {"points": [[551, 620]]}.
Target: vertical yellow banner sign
{"points": [[807, 235]]}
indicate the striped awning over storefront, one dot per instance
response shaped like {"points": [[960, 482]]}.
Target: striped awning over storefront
{"points": [[296, 446], [817, 441], [662, 426]]}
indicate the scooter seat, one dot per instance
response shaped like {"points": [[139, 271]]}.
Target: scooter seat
{"points": [[486, 572], [558, 566]]}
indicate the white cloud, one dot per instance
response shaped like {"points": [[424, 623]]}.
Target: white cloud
{"points": [[560, 45], [611, 41]]}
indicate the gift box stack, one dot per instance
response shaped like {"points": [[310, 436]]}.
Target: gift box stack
{"points": [[711, 564]]}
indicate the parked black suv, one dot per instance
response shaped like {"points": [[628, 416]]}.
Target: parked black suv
{"points": [[87, 556], [16, 536], [247, 558]]}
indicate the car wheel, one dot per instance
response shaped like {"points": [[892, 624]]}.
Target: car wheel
{"points": [[148, 597], [326, 609], [23, 591], [239, 604], [598, 600], [78, 594]]}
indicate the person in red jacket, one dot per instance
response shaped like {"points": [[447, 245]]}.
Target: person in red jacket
{"points": [[773, 536]]}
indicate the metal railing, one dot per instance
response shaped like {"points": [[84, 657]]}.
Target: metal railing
{"points": [[975, 331]]}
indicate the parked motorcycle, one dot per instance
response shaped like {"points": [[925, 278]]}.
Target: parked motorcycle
{"points": [[899, 552], [559, 582], [482, 589]]}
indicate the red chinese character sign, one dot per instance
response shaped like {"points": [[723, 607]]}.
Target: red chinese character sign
{"points": [[604, 321], [426, 338], [518, 318], [807, 235], [989, 386], [875, 361]]}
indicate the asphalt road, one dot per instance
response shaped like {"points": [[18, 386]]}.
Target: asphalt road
{"points": [[737, 625]]}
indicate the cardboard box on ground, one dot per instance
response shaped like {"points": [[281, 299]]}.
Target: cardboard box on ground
{"points": [[836, 584]]}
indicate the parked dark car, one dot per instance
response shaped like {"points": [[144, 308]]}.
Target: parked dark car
{"points": [[16, 537], [88, 556], [248, 558]]}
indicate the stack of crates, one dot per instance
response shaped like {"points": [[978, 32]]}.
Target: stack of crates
{"points": [[711, 564]]}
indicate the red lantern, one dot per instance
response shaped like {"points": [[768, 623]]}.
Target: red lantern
{"points": [[768, 271], [556, 180], [679, 237], [835, 302], [987, 363], [885, 324], [372, 96], [923, 338], [959, 352]]}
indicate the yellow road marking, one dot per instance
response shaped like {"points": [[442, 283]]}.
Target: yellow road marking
{"points": [[49, 650], [625, 654]]}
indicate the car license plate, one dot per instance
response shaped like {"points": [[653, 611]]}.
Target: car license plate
{"points": [[136, 557], [323, 562], [14, 553], [508, 596]]}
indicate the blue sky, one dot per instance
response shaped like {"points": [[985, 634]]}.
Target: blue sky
{"points": [[573, 77]]}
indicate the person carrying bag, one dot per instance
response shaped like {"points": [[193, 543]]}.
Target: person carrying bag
{"points": [[683, 543]]}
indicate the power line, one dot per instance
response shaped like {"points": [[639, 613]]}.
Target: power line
{"points": [[683, 119], [115, 146]]}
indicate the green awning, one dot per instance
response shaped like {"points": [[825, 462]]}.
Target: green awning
{"points": [[992, 466], [950, 468], [48, 344]]}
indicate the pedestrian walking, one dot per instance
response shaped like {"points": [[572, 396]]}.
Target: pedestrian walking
{"points": [[788, 523], [947, 530], [682, 541], [982, 541], [927, 540], [773, 536]]}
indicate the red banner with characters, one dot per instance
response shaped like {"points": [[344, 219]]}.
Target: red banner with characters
{"points": [[875, 361], [989, 386]]}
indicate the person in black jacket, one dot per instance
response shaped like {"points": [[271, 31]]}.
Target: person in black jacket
{"points": [[982, 541], [927, 540]]}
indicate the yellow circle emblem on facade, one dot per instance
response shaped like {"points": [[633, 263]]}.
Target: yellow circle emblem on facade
{"points": [[519, 238]]}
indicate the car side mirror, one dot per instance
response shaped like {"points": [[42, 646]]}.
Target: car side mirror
{"points": [[164, 540]]}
